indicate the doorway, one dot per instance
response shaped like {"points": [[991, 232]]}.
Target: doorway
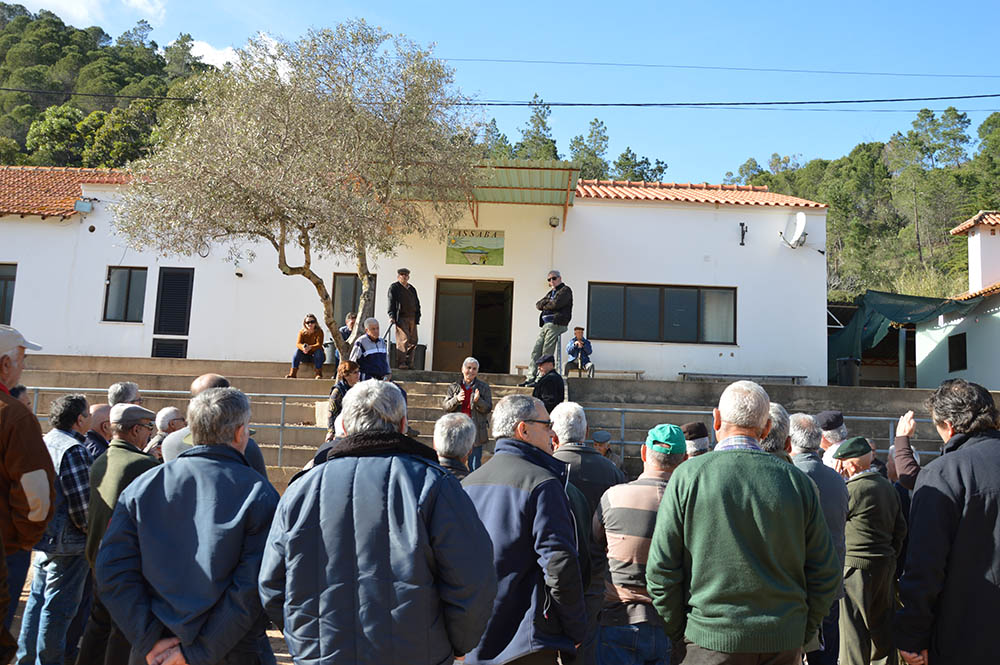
{"points": [[472, 318]]}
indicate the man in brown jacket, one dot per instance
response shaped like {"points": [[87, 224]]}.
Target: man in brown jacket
{"points": [[27, 477]]}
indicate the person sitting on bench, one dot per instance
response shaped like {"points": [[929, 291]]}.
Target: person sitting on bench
{"points": [[578, 351]]}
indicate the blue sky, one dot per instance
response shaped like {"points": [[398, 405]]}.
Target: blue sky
{"points": [[699, 144]]}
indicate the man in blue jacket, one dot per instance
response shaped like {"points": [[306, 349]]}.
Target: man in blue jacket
{"points": [[376, 555], [521, 498], [178, 565], [578, 353]]}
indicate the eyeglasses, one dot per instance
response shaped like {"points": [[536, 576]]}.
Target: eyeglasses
{"points": [[547, 423], [148, 426], [551, 279], [310, 323], [137, 400]]}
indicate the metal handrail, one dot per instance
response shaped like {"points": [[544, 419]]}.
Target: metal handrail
{"points": [[281, 426], [624, 411]]}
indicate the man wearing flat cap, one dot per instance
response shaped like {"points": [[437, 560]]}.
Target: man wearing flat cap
{"points": [[602, 444], [696, 438], [874, 538], [112, 472], [549, 388], [404, 313], [623, 525]]}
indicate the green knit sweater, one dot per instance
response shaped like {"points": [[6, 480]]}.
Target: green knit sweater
{"points": [[875, 526], [741, 559]]}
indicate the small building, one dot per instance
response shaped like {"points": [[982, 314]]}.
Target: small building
{"points": [[964, 345], [673, 279]]}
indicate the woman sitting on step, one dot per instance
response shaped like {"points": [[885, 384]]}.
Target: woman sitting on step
{"points": [[309, 346]]}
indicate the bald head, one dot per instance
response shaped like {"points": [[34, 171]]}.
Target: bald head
{"points": [[206, 381], [100, 419]]}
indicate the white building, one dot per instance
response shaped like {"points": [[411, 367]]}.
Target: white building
{"points": [[668, 278], [964, 347]]}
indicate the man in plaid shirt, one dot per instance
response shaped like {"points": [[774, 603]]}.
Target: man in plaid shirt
{"points": [[60, 568]]}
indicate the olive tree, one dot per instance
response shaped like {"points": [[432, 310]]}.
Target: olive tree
{"points": [[343, 143]]}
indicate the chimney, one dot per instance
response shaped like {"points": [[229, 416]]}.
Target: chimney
{"points": [[984, 256]]}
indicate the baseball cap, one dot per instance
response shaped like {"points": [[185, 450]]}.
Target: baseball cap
{"points": [[11, 338], [666, 439]]}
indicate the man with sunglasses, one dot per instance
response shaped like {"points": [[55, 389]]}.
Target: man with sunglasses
{"points": [[556, 309], [520, 496]]}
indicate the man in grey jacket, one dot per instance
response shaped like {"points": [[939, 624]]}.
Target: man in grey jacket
{"points": [[806, 436], [471, 396]]}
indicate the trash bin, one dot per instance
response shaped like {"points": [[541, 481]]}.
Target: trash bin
{"points": [[330, 349], [848, 371]]}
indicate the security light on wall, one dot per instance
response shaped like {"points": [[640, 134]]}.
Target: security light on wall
{"points": [[553, 222]]}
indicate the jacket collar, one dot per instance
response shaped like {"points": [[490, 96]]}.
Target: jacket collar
{"points": [[124, 445], [581, 448], [959, 440], [450, 463], [219, 452], [536, 456], [371, 444]]}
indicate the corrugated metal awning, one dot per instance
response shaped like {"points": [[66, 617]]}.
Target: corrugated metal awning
{"points": [[528, 182]]}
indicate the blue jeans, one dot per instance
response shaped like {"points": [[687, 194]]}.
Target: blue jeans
{"points": [[17, 571], [56, 591], [475, 458], [317, 358], [637, 644]]}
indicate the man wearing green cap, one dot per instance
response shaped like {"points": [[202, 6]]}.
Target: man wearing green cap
{"points": [[874, 538], [631, 630]]}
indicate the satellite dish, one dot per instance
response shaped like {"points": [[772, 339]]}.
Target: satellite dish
{"points": [[795, 234]]}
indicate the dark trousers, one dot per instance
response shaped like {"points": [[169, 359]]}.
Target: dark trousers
{"points": [[79, 623], [866, 612], [103, 643], [406, 342], [475, 458], [317, 358], [696, 655], [829, 649], [547, 657], [17, 571]]}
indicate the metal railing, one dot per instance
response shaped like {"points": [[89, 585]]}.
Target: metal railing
{"points": [[625, 411], [281, 426]]}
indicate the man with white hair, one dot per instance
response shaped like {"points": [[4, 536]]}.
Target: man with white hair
{"points": [[806, 436], [370, 353], [592, 473], [555, 309], [393, 566], [27, 476], [454, 436], [169, 419], [123, 392], [521, 498], [777, 441], [834, 433], [741, 565], [471, 396], [177, 568]]}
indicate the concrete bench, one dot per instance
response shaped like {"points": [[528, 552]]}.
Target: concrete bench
{"points": [[759, 378], [637, 373]]}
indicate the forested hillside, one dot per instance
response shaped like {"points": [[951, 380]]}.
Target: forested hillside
{"points": [[39, 52], [891, 204]]}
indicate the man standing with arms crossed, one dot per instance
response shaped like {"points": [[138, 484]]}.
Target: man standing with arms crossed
{"points": [[555, 310]]}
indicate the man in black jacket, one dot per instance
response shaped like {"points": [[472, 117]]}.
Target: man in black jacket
{"points": [[404, 313], [550, 388], [950, 591], [555, 309]]}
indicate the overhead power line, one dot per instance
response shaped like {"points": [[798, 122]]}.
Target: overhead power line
{"points": [[500, 102], [774, 70]]}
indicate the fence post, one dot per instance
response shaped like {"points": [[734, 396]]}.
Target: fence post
{"points": [[34, 402], [281, 429]]}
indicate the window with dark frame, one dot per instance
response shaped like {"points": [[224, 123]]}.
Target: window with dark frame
{"points": [[661, 313], [8, 273], [346, 294], [125, 294], [957, 357]]}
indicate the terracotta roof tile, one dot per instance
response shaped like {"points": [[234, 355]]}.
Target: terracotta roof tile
{"points": [[988, 291], [986, 217], [686, 192], [48, 191]]}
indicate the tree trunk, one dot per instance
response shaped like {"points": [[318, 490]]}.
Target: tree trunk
{"points": [[366, 305], [916, 224]]}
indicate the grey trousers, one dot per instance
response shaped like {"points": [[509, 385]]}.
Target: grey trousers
{"points": [[545, 344], [866, 612], [696, 655]]}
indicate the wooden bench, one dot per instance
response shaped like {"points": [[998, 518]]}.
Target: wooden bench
{"points": [[637, 373], [759, 378]]}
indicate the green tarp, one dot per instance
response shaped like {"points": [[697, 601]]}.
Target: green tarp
{"points": [[877, 311]]}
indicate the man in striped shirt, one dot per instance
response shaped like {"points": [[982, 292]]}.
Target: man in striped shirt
{"points": [[631, 630]]}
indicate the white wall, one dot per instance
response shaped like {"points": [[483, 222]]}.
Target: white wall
{"points": [[982, 329], [984, 257], [781, 293]]}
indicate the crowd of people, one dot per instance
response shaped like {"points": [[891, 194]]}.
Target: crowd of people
{"points": [[157, 538]]}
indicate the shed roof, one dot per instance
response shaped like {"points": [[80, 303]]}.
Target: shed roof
{"points": [[48, 191], [687, 192], [990, 290], [536, 182], [985, 217]]}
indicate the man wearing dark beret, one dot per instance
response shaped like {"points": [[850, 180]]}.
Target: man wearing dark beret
{"points": [[696, 438], [874, 539]]}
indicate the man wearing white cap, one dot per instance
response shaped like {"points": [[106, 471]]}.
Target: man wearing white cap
{"points": [[27, 477]]}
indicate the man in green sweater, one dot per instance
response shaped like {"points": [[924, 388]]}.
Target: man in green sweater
{"points": [[741, 565], [111, 473], [874, 537]]}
